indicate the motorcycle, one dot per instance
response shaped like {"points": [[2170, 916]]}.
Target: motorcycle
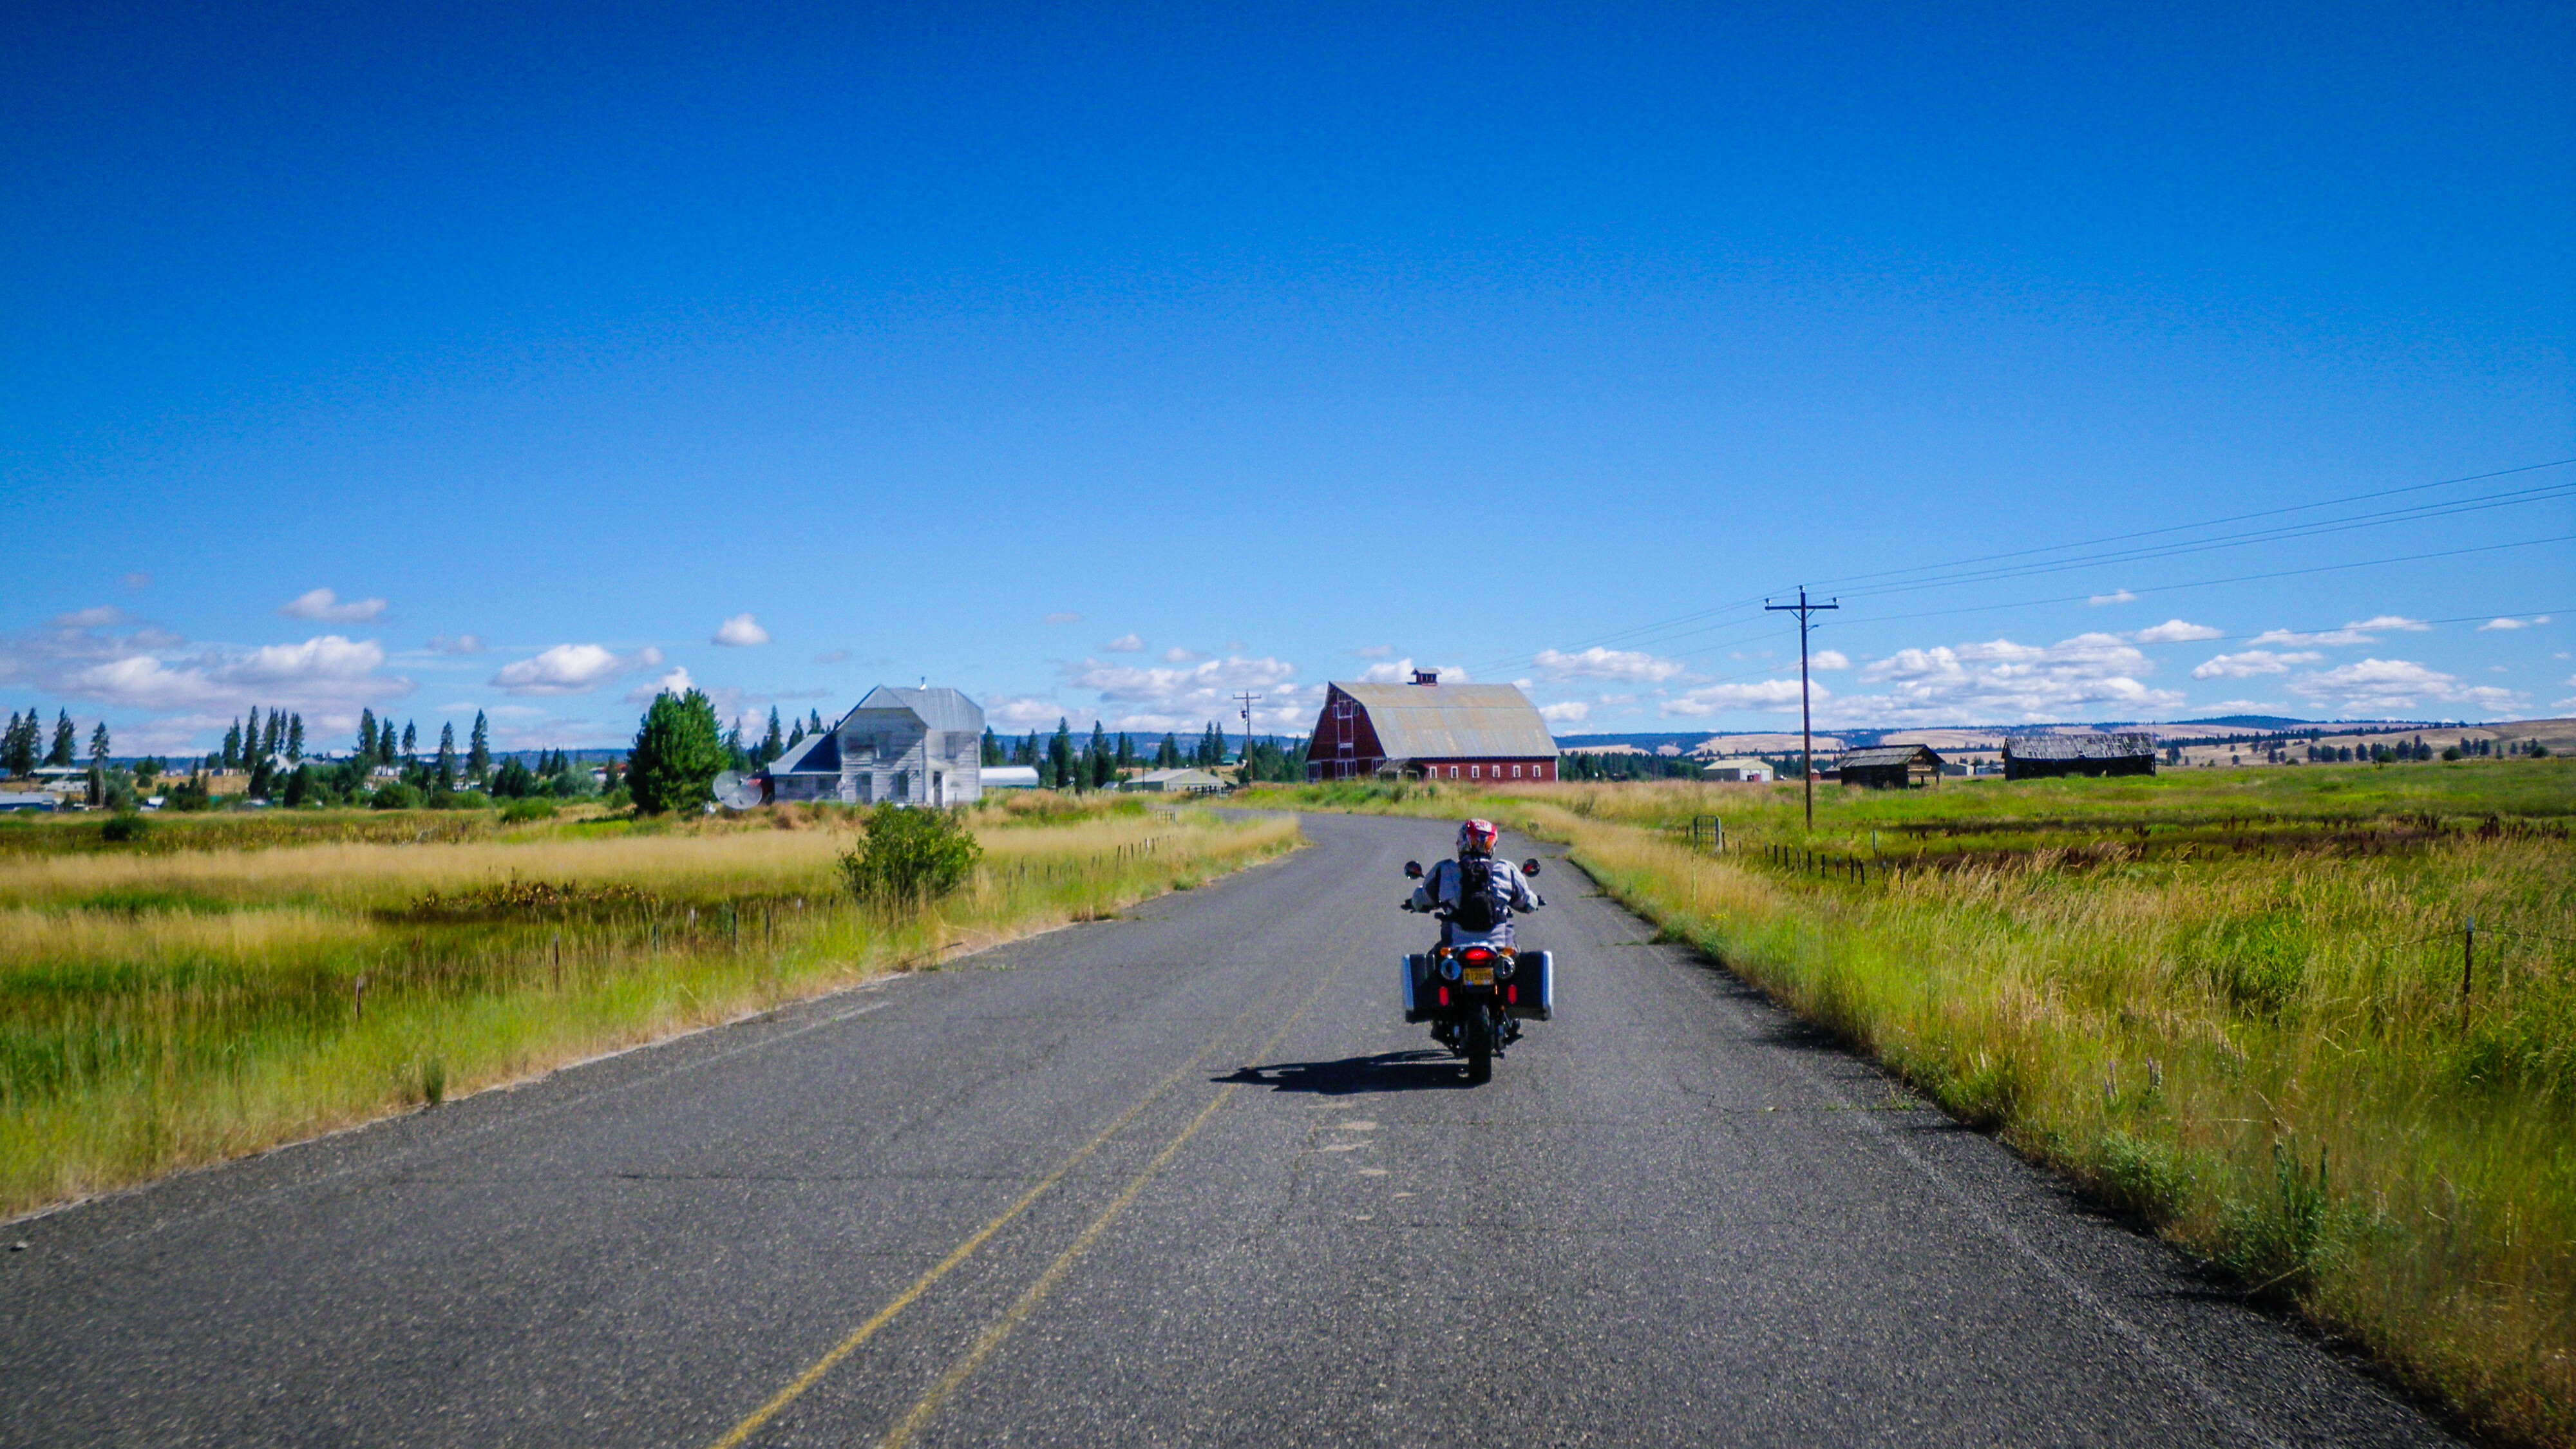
{"points": [[1476, 996]]}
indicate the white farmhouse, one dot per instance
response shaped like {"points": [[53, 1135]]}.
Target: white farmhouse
{"points": [[899, 746]]}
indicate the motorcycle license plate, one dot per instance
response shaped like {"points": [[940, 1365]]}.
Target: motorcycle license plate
{"points": [[1480, 975]]}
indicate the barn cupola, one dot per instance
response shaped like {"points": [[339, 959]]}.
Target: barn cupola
{"points": [[1430, 677]]}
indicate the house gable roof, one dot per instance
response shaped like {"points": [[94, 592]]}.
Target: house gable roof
{"points": [[1452, 721], [938, 708], [812, 755]]}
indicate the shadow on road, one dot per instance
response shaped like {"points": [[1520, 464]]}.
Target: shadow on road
{"points": [[1414, 1071]]}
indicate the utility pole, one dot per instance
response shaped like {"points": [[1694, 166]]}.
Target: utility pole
{"points": [[1806, 714], [1249, 700]]}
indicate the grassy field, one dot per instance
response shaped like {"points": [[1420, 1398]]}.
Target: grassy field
{"points": [[2233, 1003], [226, 984]]}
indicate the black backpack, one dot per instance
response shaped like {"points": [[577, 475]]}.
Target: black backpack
{"points": [[1477, 909]]}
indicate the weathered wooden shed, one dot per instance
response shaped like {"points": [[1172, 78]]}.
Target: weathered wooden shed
{"points": [[1890, 767], [904, 746], [1429, 730], [2039, 757]]}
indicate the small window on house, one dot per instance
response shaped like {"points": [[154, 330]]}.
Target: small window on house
{"points": [[1475, 772], [1453, 772], [902, 786], [1516, 772]]}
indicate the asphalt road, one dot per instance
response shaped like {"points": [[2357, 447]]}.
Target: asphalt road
{"points": [[1181, 1178]]}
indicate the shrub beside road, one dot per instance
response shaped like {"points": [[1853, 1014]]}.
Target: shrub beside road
{"points": [[2245, 1006]]}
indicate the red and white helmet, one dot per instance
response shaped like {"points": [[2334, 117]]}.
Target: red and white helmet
{"points": [[1476, 837]]}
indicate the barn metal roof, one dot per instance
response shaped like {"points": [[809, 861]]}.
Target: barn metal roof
{"points": [[2122, 746], [1880, 756], [1453, 721]]}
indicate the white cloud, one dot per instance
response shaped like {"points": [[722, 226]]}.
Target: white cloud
{"points": [[458, 644], [740, 632], [317, 674], [105, 616], [2365, 631], [1400, 671], [2494, 624], [1622, 665], [138, 581], [1572, 711], [1124, 644], [573, 669], [1829, 659], [1178, 655], [2175, 631], [1145, 697], [2253, 662], [2003, 682], [675, 682], [325, 606], [2122, 596], [1769, 695], [1064, 618], [2383, 686], [1020, 713], [1375, 651]]}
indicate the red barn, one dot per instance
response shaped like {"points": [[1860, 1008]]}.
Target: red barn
{"points": [[1430, 730]]}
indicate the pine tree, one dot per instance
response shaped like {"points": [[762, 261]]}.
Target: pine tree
{"points": [[250, 737], [478, 750], [18, 749], [410, 740], [1126, 751], [1103, 760], [1167, 755], [773, 744], [98, 744], [1059, 763], [1026, 751], [992, 748], [676, 754], [796, 736], [295, 737], [272, 740], [814, 722], [233, 745], [66, 739], [447, 755], [367, 734]]}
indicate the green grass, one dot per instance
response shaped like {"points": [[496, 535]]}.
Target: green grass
{"points": [[2229, 1002], [168, 1008]]}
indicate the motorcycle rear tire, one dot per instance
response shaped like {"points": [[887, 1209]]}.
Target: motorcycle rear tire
{"points": [[1480, 1047]]}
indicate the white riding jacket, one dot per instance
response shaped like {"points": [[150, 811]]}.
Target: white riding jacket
{"points": [[1510, 889]]}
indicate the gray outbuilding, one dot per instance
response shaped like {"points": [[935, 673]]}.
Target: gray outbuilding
{"points": [[2039, 757], [899, 746]]}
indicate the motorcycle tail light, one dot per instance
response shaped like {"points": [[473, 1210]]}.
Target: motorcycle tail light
{"points": [[1478, 956], [1444, 996], [1511, 995]]}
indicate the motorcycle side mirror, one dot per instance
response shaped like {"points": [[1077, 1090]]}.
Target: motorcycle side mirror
{"points": [[1413, 870], [1529, 867]]}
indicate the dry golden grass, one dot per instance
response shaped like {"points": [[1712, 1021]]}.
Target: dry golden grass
{"points": [[2268, 1057], [166, 1011]]}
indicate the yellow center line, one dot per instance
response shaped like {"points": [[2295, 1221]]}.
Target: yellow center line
{"points": [[991, 1338], [752, 1422]]}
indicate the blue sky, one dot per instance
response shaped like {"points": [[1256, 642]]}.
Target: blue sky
{"points": [[1106, 362]]}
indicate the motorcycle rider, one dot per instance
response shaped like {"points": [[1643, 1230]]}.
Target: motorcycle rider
{"points": [[1475, 895]]}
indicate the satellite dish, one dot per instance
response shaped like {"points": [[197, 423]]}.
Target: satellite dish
{"points": [[734, 792]]}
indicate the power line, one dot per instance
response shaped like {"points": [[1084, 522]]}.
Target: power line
{"points": [[1658, 630]]}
